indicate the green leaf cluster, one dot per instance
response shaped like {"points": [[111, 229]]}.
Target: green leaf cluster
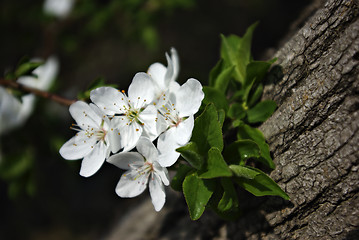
{"points": [[25, 67], [224, 137]]}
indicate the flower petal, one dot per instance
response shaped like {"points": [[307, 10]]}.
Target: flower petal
{"points": [[131, 184], [124, 159], [141, 91], [147, 149], [157, 192], [162, 172], [157, 71], [26, 109], [77, 147], [114, 139], [162, 124], [101, 114], [9, 111], [84, 115], [170, 71], [175, 63], [47, 73], [189, 97], [169, 157], [29, 81], [167, 146], [148, 118], [174, 87], [130, 134], [183, 131], [109, 100], [93, 161]]}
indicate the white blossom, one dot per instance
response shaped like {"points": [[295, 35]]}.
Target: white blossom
{"points": [[134, 114], [10, 111], [164, 78], [177, 110], [142, 168], [14, 112], [95, 138]]}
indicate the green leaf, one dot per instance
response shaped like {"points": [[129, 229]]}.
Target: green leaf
{"points": [[207, 131], [191, 154], [224, 200], [181, 172], [236, 111], [256, 95], [243, 171], [26, 68], [223, 79], [241, 150], [212, 95], [229, 49], [229, 200], [255, 72], [244, 51], [261, 185], [236, 51], [261, 111], [215, 72], [197, 192], [221, 116], [247, 132], [216, 166], [230, 54]]}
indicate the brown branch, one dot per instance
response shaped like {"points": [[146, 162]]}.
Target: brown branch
{"points": [[37, 92]]}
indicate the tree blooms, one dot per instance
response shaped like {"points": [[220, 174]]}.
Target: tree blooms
{"points": [[95, 138], [178, 109], [142, 168], [164, 78], [134, 114], [156, 107]]}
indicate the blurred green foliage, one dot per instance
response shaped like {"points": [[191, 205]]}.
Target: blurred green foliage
{"points": [[134, 20]]}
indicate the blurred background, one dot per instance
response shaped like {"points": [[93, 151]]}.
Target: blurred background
{"points": [[42, 196]]}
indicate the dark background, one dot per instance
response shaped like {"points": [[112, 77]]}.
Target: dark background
{"points": [[45, 197]]}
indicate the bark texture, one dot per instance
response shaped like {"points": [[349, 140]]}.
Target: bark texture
{"points": [[314, 139], [314, 133]]}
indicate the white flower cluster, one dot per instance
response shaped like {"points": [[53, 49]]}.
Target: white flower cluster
{"points": [[13, 112], [156, 107]]}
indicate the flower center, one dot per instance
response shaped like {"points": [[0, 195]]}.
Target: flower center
{"points": [[132, 114], [146, 169], [168, 111], [98, 133]]}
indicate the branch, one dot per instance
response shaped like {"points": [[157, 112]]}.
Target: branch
{"points": [[37, 92]]}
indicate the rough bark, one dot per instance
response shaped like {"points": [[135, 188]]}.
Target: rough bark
{"points": [[313, 136], [314, 133]]}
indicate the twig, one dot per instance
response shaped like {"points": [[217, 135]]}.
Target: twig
{"points": [[37, 92]]}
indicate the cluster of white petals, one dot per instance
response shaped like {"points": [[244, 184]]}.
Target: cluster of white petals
{"points": [[155, 107], [14, 112]]}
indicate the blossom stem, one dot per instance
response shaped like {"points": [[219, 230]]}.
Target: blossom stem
{"points": [[37, 92]]}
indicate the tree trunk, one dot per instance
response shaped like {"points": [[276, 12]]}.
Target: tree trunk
{"points": [[314, 139]]}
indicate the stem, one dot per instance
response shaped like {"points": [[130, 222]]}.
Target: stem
{"points": [[37, 92]]}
